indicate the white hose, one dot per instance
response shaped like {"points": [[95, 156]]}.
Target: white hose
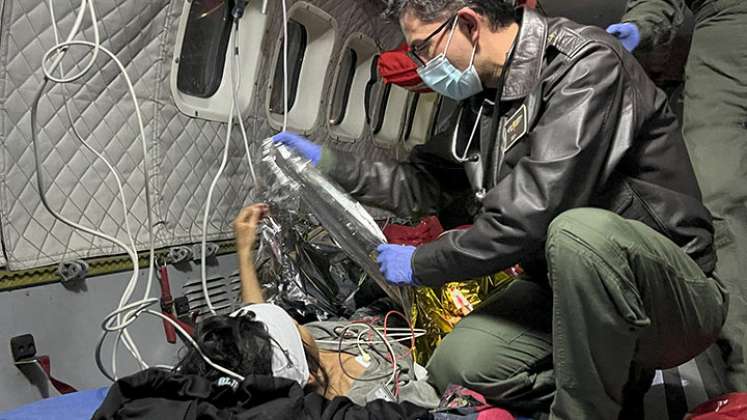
{"points": [[285, 66], [60, 49]]}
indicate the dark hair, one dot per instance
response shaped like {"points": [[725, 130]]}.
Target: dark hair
{"points": [[500, 13], [242, 345], [239, 344]]}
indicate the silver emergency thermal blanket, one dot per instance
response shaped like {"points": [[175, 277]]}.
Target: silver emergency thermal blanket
{"points": [[294, 185]]}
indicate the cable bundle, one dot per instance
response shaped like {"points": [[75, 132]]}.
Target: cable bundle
{"points": [[56, 55], [127, 312]]}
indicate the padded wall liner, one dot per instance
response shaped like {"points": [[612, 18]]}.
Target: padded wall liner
{"points": [[184, 152]]}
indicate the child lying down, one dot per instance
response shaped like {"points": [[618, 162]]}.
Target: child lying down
{"points": [[288, 370]]}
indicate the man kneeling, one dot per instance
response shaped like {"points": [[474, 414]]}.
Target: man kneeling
{"points": [[578, 171]]}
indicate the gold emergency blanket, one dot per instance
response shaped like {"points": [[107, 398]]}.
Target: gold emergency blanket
{"points": [[439, 310]]}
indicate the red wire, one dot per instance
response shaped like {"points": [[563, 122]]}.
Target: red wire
{"points": [[409, 351]]}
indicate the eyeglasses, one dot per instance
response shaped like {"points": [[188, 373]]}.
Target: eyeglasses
{"points": [[415, 50]]}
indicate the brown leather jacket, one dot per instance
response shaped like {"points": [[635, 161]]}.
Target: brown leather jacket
{"points": [[584, 127]]}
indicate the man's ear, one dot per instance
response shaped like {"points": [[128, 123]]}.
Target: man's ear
{"points": [[469, 22]]}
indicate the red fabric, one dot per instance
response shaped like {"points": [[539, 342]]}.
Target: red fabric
{"points": [[495, 413], [426, 231], [167, 308], [398, 68], [463, 403], [46, 365], [727, 407]]}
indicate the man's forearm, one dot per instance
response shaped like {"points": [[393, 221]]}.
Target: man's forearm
{"points": [[657, 20], [405, 188]]}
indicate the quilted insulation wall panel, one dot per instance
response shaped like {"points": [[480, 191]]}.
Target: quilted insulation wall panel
{"points": [[183, 152]]}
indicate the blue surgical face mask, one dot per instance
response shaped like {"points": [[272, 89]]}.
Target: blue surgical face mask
{"points": [[441, 76]]}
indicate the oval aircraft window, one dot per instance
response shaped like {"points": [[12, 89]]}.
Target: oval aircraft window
{"points": [[377, 118], [311, 41], [297, 40], [342, 89], [202, 58], [347, 110], [207, 53], [390, 115], [411, 109], [420, 119]]}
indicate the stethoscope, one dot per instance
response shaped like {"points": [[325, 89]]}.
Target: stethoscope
{"points": [[455, 138], [497, 112], [465, 157]]}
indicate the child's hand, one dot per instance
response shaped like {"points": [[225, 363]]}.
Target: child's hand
{"points": [[245, 225]]}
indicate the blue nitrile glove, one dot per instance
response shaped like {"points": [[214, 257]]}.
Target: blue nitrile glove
{"points": [[395, 261], [627, 33], [300, 145]]}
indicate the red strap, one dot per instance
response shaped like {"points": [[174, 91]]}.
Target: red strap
{"points": [[169, 329], [189, 329], [166, 304], [46, 365], [164, 280]]}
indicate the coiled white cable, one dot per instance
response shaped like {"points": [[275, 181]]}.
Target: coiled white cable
{"points": [[126, 314], [124, 335], [141, 126], [133, 312], [133, 256], [394, 338], [192, 342], [73, 32], [127, 339], [383, 339], [60, 50]]}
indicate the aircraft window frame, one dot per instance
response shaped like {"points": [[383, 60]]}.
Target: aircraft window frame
{"points": [[412, 108], [443, 104], [347, 108], [421, 117], [393, 106], [298, 42], [217, 106], [343, 86], [205, 42], [310, 99], [383, 90]]}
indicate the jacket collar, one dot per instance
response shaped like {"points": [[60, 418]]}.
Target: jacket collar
{"points": [[524, 72]]}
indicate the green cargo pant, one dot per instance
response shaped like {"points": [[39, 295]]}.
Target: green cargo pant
{"points": [[715, 131], [622, 298]]}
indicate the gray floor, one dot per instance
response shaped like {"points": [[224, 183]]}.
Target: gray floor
{"points": [[676, 391], [66, 326]]}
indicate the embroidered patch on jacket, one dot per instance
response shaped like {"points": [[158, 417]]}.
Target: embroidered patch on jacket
{"points": [[516, 127]]}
